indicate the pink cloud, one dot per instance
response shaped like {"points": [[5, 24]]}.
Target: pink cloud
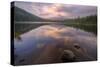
{"points": [[53, 11]]}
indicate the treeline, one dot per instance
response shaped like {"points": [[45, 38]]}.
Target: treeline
{"points": [[83, 20], [88, 23]]}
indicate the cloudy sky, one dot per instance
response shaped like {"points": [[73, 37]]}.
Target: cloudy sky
{"points": [[57, 11]]}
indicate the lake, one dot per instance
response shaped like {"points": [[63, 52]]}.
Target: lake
{"points": [[45, 43]]}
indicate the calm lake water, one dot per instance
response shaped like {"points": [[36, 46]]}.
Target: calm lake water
{"points": [[37, 37]]}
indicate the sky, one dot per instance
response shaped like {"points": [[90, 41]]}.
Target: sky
{"points": [[56, 10]]}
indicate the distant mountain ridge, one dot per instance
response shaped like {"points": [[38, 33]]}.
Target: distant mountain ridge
{"points": [[22, 15]]}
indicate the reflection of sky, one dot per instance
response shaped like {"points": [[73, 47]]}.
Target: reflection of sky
{"points": [[57, 11], [34, 41]]}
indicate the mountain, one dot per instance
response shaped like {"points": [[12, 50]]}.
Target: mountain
{"points": [[22, 15]]}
